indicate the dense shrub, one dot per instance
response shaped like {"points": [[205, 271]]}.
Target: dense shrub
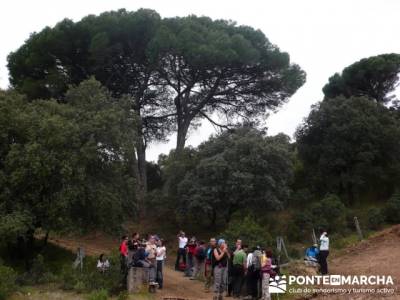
{"points": [[375, 218], [329, 214], [7, 281], [98, 295], [392, 209], [249, 231]]}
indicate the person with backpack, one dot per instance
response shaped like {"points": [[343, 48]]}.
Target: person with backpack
{"points": [[253, 272], [221, 256], [208, 264], [132, 245], [141, 260], [199, 258], [238, 269], [190, 249]]}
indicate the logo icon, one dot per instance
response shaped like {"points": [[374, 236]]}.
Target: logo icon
{"points": [[277, 285], [335, 280]]}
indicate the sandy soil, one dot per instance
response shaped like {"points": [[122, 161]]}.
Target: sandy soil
{"points": [[378, 255]]}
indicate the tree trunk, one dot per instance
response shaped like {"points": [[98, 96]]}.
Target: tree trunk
{"points": [[183, 128], [141, 170]]}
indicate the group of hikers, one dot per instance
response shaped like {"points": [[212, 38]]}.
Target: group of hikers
{"points": [[235, 271], [144, 253], [238, 271]]}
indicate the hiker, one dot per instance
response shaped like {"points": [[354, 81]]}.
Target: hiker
{"points": [[323, 253], [208, 265], [160, 258], [238, 269], [190, 252], [311, 255], [123, 251], [151, 251], [199, 258], [266, 273], [133, 245], [220, 256], [140, 260], [253, 272], [182, 241], [230, 267], [103, 264]]}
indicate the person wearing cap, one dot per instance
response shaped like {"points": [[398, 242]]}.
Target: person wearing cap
{"points": [[221, 256]]}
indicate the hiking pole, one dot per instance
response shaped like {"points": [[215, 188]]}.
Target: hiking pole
{"points": [[359, 232], [314, 237]]}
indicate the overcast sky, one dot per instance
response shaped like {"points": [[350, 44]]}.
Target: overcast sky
{"points": [[322, 37]]}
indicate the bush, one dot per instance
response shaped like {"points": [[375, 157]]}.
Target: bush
{"points": [[90, 279], [375, 218], [329, 214], [98, 295], [7, 282], [123, 296], [38, 274], [392, 209], [249, 231]]}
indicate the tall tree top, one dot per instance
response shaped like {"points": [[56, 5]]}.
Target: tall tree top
{"points": [[375, 77]]}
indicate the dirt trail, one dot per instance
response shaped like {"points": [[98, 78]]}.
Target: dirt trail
{"points": [[175, 284], [377, 255]]}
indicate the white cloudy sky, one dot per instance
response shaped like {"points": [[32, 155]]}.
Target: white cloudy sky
{"points": [[322, 36]]}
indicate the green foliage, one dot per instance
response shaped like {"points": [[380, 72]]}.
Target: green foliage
{"points": [[392, 209], [375, 218], [64, 166], [249, 231], [98, 295], [237, 170], [7, 282], [326, 214], [123, 296], [350, 147], [223, 67], [374, 77], [90, 279]]}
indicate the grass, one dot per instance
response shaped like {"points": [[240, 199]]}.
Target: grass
{"points": [[52, 292]]}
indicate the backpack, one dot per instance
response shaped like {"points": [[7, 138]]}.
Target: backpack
{"points": [[256, 261], [201, 253]]}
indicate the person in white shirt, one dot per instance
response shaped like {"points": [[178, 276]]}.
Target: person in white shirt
{"points": [[182, 241], [160, 258], [103, 264], [323, 253]]}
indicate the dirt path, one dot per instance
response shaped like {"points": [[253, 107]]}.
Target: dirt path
{"points": [[378, 255], [175, 284]]}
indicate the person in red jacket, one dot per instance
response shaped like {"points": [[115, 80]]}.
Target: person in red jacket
{"points": [[123, 250], [191, 252]]}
